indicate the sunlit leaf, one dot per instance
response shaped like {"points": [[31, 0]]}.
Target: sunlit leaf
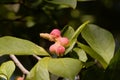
{"points": [[71, 3], [39, 71], [73, 39], [7, 69], [81, 53], [17, 46], [93, 54], [100, 40], [65, 67]]}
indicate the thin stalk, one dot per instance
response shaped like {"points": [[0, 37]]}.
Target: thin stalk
{"points": [[17, 62]]}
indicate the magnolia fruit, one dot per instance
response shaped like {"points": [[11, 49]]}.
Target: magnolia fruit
{"points": [[60, 50], [55, 33], [63, 41], [52, 48], [57, 49]]}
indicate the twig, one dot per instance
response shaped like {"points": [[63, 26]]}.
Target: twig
{"points": [[37, 57], [17, 62]]}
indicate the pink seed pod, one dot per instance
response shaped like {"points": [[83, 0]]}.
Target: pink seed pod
{"points": [[63, 41], [57, 49], [52, 48], [60, 50], [55, 33]]}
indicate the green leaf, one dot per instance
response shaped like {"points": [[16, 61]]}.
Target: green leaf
{"points": [[74, 37], [13, 45], [7, 69], [70, 3], [65, 67], [89, 64], [39, 71], [93, 54], [100, 40], [68, 32], [81, 53]]}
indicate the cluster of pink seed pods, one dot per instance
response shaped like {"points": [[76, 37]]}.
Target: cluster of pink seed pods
{"points": [[60, 42]]}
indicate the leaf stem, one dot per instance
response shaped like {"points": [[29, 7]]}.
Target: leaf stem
{"points": [[37, 57], [17, 62]]}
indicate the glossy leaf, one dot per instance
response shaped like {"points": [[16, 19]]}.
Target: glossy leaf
{"points": [[93, 54], [7, 69], [81, 53], [65, 67], [75, 36], [70, 3], [13, 45], [39, 71], [68, 32], [100, 40]]}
